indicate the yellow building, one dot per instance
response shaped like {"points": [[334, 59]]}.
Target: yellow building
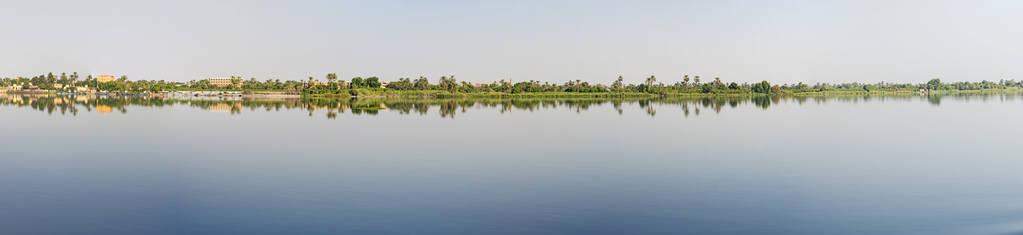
{"points": [[105, 78], [221, 81], [11, 88]]}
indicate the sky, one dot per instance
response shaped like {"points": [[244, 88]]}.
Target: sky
{"points": [[480, 41]]}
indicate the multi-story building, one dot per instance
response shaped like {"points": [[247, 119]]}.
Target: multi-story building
{"points": [[221, 81], [105, 78]]}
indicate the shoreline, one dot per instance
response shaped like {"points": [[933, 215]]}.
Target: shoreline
{"points": [[437, 94]]}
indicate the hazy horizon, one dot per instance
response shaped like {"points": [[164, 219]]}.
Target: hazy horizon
{"points": [[743, 41]]}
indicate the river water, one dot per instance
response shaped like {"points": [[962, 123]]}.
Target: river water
{"points": [[840, 165]]}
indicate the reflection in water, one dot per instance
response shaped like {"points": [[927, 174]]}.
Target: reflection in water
{"points": [[448, 108], [104, 109], [549, 166]]}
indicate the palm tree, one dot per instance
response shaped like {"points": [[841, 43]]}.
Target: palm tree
{"points": [[618, 83], [331, 77], [650, 82], [74, 78]]}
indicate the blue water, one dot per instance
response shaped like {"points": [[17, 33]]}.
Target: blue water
{"points": [[896, 165]]}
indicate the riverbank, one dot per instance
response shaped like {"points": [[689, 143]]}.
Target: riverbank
{"points": [[247, 94], [28, 92], [374, 93], [436, 94]]}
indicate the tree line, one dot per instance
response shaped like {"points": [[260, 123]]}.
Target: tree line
{"points": [[686, 84]]}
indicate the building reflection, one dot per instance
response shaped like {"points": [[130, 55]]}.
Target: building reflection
{"points": [[104, 109], [226, 107]]}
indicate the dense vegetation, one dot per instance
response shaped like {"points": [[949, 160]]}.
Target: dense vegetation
{"points": [[448, 86]]}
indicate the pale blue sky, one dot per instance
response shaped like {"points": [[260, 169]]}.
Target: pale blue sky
{"points": [[783, 41]]}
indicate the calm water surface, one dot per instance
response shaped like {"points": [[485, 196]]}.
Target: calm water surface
{"points": [[852, 165]]}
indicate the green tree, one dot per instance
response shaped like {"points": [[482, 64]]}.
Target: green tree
{"points": [[618, 84], [357, 82], [707, 88], [373, 82], [421, 83], [401, 84], [650, 82], [331, 78], [236, 82], [448, 84], [762, 87], [934, 84]]}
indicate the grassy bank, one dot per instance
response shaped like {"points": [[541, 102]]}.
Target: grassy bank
{"points": [[438, 94]]}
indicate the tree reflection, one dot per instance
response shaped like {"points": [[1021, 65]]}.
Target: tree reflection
{"points": [[447, 108], [934, 100]]}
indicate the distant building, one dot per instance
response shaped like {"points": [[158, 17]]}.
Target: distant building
{"points": [[11, 88], [221, 81], [105, 78]]}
